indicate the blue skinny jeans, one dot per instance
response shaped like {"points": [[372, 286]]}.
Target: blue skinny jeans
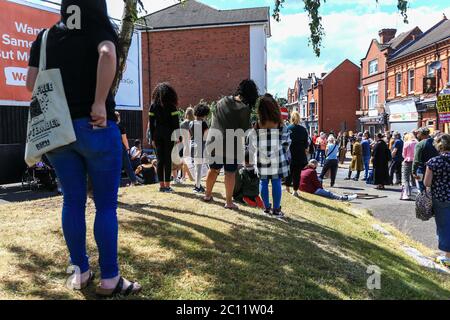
{"points": [[97, 153], [276, 193]]}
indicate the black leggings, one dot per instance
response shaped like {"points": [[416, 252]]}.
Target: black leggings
{"points": [[332, 165], [164, 153], [294, 176]]}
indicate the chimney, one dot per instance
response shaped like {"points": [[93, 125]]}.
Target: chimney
{"points": [[387, 35]]}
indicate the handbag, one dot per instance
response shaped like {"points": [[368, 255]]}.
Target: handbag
{"points": [[49, 121], [424, 206]]}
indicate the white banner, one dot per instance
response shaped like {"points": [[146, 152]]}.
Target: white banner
{"points": [[129, 94]]}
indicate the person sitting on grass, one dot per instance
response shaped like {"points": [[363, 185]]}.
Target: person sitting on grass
{"points": [[270, 143], [136, 154], [146, 171], [310, 183], [246, 189]]}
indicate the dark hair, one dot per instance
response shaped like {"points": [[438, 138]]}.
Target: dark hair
{"points": [[380, 136], [248, 91], [137, 142], [144, 160], [268, 110], [201, 110], [165, 95]]}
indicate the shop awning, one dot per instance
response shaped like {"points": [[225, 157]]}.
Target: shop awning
{"points": [[372, 120], [426, 104], [402, 111]]}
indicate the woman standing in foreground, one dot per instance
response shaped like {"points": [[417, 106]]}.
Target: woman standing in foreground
{"points": [[163, 121], [270, 144], [437, 177], [87, 58]]}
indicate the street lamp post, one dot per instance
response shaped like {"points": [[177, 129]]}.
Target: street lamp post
{"points": [[437, 65]]}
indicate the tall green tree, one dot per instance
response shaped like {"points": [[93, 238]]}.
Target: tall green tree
{"points": [[315, 19]]}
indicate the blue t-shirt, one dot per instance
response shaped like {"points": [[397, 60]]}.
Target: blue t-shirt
{"points": [[332, 151], [365, 144], [398, 144]]}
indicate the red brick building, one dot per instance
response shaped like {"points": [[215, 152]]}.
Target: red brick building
{"points": [[413, 83], [334, 99], [373, 77], [203, 52]]}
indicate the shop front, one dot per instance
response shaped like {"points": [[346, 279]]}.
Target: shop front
{"points": [[443, 106], [427, 112], [403, 115], [373, 122]]}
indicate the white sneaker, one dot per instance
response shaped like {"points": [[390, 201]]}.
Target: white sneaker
{"points": [[296, 194], [352, 197]]}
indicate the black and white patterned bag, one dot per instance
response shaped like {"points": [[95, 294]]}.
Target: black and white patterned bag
{"points": [[424, 206]]}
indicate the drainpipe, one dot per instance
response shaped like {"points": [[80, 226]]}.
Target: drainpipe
{"points": [[386, 124], [321, 107]]}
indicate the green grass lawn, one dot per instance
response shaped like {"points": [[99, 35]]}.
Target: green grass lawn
{"points": [[180, 248]]}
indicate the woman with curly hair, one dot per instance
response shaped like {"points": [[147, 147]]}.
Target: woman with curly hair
{"points": [[163, 121]]}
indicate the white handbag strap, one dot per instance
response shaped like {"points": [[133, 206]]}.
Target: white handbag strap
{"points": [[43, 53]]}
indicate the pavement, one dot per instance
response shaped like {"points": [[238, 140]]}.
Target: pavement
{"points": [[15, 193], [387, 207]]}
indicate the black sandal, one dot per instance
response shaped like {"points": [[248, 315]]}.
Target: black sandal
{"points": [[118, 290]]}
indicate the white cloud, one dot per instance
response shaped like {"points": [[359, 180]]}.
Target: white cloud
{"points": [[348, 35]]}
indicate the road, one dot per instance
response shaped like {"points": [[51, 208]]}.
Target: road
{"points": [[389, 208]]}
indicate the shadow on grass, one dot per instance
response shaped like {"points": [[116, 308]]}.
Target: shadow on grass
{"points": [[36, 265], [328, 207], [299, 260]]}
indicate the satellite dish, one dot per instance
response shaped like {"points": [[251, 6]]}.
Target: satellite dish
{"points": [[436, 65]]}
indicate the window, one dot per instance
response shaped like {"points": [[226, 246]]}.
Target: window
{"points": [[398, 84], [373, 67], [312, 107], [373, 96], [411, 81], [430, 71], [448, 71], [303, 113]]}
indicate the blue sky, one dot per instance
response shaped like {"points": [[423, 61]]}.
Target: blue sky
{"points": [[350, 25]]}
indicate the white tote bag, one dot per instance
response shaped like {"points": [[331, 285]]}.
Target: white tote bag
{"points": [[49, 121]]}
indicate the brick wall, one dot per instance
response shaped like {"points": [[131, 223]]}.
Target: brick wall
{"points": [[419, 63], [340, 98], [200, 63], [379, 77]]}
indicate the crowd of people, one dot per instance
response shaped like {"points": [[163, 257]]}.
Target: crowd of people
{"points": [[270, 151]]}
